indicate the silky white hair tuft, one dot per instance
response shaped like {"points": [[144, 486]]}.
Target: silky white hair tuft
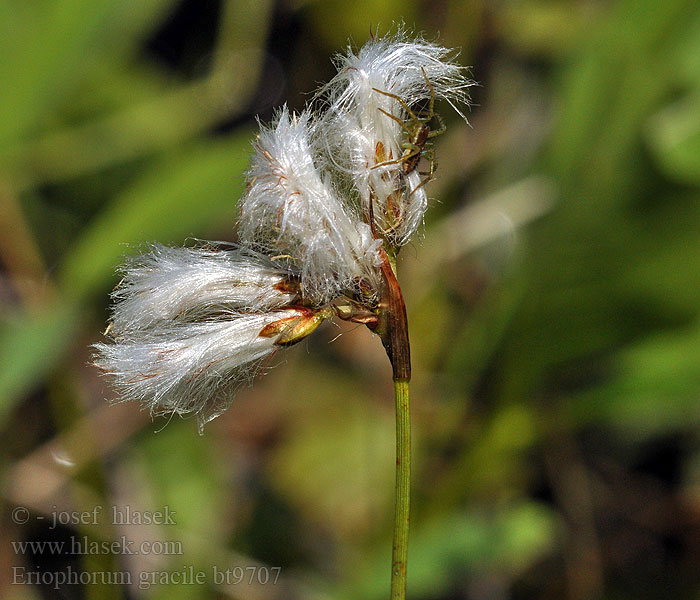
{"points": [[291, 209], [190, 368], [190, 284], [358, 135]]}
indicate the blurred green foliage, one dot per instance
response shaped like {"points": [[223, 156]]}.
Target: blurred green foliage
{"points": [[553, 304]]}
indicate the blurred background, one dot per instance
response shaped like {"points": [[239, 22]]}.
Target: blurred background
{"points": [[553, 300]]}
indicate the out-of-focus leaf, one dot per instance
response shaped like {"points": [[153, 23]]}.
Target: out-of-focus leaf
{"points": [[546, 28], [577, 257], [139, 129], [357, 22], [683, 61], [662, 267], [496, 459], [451, 546], [338, 451], [30, 346], [674, 138], [177, 455], [655, 385], [183, 477], [609, 90], [44, 56]]}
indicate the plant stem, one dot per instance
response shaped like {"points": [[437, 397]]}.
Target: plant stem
{"points": [[403, 490], [393, 330]]}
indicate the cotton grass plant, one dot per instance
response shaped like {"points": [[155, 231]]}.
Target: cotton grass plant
{"points": [[332, 195]]}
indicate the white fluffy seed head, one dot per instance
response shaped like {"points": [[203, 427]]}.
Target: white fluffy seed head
{"points": [[357, 134], [190, 284], [292, 210], [190, 325], [191, 368]]}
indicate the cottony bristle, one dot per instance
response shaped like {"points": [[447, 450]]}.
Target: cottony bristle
{"points": [[191, 368], [292, 210], [365, 144], [191, 284]]}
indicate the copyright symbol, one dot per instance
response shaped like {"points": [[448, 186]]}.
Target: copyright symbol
{"points": [[20, 515]]}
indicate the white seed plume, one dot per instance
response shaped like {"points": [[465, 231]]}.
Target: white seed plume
{"points": [[191, 284], [291, 209], [190, 368], [190, 325], [357, 135]]}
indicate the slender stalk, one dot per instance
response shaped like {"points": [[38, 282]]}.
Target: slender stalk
{"points": [[393, 329], [403, 490]]}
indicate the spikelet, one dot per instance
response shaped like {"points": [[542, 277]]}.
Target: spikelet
{"points": [[292, 210], [193, 368], [358, 135], [191, 284]]}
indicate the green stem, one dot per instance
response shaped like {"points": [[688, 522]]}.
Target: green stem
{"points": [[393, 330], [403, 490]]}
